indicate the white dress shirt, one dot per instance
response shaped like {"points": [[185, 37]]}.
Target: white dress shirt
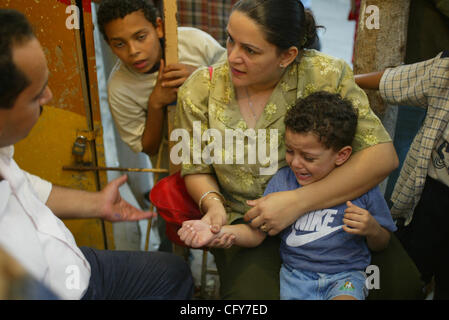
{"points": [[33, 235]]}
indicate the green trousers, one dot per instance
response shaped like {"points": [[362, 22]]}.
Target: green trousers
{"points": [[253, 273]]}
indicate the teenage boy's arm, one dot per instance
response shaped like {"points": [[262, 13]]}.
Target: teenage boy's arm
{"points": [[170, 78], [359, 221], [369, 80], [403, 85]]}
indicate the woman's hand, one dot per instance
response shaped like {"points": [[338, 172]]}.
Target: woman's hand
{"points": [[275, 211], [215, 215]]}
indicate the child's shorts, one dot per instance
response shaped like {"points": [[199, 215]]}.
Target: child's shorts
{"points": [[306, 285]]}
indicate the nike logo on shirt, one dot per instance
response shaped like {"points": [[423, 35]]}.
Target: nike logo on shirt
{"points": [[317, 222]]}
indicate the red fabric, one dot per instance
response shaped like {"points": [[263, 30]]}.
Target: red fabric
{"points": [[354, 15], [174, 204], [86, 4]]}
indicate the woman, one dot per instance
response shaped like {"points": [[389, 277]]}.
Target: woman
{"points": [[267, 69]]}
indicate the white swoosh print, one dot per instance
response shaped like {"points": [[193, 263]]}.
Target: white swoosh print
{"points": [[294, 240]]}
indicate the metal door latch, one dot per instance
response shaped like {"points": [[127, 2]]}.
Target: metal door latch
{"points": [[79, 147]]}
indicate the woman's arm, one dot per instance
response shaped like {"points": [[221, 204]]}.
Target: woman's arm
{"points": [[373, 159], [214, 212], [364, 170]]}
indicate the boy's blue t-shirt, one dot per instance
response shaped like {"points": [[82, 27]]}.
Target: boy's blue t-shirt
{"points": [[316, 241]]}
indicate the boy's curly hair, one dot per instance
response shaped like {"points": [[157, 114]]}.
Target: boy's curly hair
{"points": [[331, 118], [110, 10]]}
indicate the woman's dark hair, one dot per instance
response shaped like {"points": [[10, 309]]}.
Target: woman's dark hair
{"points": [[14, 30], [110, 10], [331, 118], [285, 22]]}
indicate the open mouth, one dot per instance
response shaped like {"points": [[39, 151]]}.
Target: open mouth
{"points": [[237, 72], [140, 64], [303, 176]]}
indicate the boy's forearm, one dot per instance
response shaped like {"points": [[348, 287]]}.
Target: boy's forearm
{"points": [[152, 135], [245, 236], [379, 240]]}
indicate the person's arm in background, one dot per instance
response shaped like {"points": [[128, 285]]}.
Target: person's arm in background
{"points": [[369, 80], [106, 204]]}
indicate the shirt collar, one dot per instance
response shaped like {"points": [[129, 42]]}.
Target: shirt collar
{"points": [[7, 152]]}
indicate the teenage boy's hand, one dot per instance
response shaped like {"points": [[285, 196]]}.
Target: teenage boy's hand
{"points": [[175, 74], [162, 95]]}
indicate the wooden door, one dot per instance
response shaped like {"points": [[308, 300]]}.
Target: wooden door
{"points": [[73, 112]]}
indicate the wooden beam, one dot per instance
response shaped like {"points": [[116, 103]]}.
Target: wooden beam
{"points": [[381, 46], [171, 56], [170, 31]]}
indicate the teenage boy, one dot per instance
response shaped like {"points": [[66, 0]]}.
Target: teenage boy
{"points": [[141, 85], [325, 252]]}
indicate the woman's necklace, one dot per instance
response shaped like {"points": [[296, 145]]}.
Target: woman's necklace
{"points": [[250, 103]]}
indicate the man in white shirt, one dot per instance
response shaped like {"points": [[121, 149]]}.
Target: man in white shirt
{"points": [[31, 208]]}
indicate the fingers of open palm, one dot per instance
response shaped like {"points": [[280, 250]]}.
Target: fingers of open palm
{"points": [[186, 233]]}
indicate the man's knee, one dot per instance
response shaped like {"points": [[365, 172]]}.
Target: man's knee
{"points": [[177, 276], [177, 268]]}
